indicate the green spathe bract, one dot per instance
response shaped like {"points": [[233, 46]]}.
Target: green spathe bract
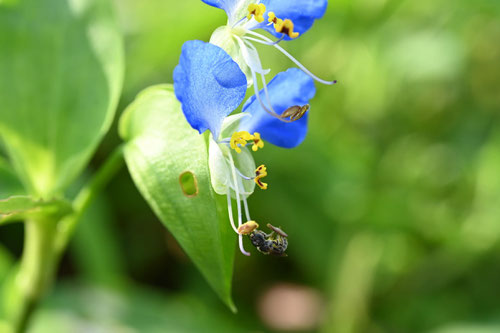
{"points": [[20, 207], [60, 79], [160, 147]]}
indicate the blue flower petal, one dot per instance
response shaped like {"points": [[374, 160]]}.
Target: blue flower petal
{"points": [[231, 7], [222, 4], [286, 89], [209, 85], [301, 12]]}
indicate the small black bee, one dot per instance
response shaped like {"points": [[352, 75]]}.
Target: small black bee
{"points": [[274, 243]]}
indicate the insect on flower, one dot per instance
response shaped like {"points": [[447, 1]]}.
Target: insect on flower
{"points": [[210, 84], [274, 243]]}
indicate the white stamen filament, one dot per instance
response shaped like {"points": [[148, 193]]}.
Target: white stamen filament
{"points": [[246, 56], [243, 176], [266, 41], [247, 211], [271, 43], [239, 22], [238, 205], [230, 210], [266, 92], [257, 95]]}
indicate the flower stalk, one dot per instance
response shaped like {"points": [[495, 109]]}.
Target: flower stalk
{"points": [[45, 242], [36, 269]]}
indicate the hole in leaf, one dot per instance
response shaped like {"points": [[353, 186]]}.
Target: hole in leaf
{"points": [[189, 184]]}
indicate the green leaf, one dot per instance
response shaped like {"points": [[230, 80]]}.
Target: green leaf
{"points": [[61, 69], [161, 150], [18, 208], [9, 183]]}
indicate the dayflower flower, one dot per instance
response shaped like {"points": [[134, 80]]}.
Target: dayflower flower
{"points": [[210, 85], [285, 19]]}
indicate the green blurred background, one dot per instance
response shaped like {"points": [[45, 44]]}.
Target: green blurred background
{"points": [[392, 204]]}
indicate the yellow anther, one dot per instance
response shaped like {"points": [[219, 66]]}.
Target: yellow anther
{"points": [[257, 142], [261, 172], [257, 11], [285, 27], [247, 228], [240, 139], [272, 17]]}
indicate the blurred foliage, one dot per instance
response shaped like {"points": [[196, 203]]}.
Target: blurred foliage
{"points": [[392, 204]]}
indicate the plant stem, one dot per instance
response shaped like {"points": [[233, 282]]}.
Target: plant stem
{"points": [[46, 240], [36, 269]]}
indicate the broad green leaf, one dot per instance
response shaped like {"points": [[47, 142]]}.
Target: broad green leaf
{"points": [[9, 183], [161, 147], [61, 69], [18, 208]]}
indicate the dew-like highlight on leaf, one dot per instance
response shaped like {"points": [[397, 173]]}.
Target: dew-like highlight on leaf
{"points": [[189, 184]]}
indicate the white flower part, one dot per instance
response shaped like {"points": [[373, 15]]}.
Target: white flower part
{"points": [[220, 156], [251, 57], [231, 124], [223, 38], [245, 164], [229, 38], [219, 169]]}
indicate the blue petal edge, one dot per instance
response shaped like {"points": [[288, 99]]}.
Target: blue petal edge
{"points": [[209, 85], [286, 89], [303, 13]]}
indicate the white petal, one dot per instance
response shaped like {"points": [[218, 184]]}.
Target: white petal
{"points": [[251, 57], [219, 168], [245, 163], [231, 124], [221, 173]]}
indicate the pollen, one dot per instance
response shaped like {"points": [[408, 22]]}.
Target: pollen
{"points": [[272, 18], [286, 27], [257, 11], [247, 228], [240, 139], [257, 142], [260, 173]]}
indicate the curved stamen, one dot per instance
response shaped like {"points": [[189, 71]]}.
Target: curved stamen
{"points": [[266, 93], [266, 41], [244, 46], [244, 50], [245, 204], [242, 175], [240, 243], [257, 95], [239, 22], [271, 110], [230, 210], [247, 211], [238, 205]]}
